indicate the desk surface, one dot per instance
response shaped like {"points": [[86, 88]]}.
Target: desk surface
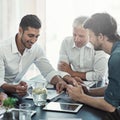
{"points": [[85, 113]]}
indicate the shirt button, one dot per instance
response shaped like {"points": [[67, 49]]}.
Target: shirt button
{"points": [[111, 94]]}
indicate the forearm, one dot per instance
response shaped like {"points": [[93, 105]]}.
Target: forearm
{"points": [[55, 80], [9, 88], [59, 83], [97, 91], [67, 79], [97, 102], [82, 75]]}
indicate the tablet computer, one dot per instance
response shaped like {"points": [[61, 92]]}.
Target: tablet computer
{"points": [[63, 107]]}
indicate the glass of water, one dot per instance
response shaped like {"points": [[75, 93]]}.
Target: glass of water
{"points": [[25, 111], [39, 93]]}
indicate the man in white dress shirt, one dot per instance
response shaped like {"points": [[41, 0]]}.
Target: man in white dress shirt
{"points": [[20, 52], [78, 57]]}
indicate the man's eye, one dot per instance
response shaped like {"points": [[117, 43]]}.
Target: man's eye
{"points": [[74, 35], [30, 35], [37, 36]]}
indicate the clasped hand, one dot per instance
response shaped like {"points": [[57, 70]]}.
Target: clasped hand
{"points": [[21, 88]]}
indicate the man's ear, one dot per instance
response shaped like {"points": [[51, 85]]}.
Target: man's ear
{"points": [[20, 31], [100, 36]]}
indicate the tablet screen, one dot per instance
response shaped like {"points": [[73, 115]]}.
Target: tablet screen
{"points": [[64, 107]]}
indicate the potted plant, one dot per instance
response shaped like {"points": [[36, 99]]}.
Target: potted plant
{"points": [[7, 104]]}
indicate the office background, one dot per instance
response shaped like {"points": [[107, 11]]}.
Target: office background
{"points": [[56, 16]]}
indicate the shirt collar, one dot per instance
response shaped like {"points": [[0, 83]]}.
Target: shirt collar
{"points": [[88, 45], [14, 46], [115, 45]]}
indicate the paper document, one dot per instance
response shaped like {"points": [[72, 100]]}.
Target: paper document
{"points": [[89, 83], [51, 94]]}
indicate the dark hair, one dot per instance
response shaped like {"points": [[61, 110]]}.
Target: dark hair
{"points": [[30, 21], [103, 23]]}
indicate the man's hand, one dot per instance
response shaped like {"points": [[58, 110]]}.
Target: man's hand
{"points": [[70, 80], [59, 83], [61, 86], [73, 80], [21, 88], [75, 92], [79, 80], [85, 88], [63, 66], [3, 96]]}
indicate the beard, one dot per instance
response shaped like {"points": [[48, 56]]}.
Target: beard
{"points": [[23, 43], [97, 47], [26, 44]]}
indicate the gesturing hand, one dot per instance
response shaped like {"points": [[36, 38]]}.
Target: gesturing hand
{"points": [[21, 88], [75, 92], [63, 66]]}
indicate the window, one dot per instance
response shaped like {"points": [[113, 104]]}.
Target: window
{"points": [[60, 15], [56, 16]]}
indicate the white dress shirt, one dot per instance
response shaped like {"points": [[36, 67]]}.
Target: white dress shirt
{"points": [[84, 59], [13, 65]]}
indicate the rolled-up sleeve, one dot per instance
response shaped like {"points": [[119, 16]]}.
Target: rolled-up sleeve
{"points": [[63, 55], [99, 68], [45, 68], [44, 65], [2, 69]]}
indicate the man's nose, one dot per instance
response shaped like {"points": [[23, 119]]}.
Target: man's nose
{"points": [[33, 40], [76, 38]]}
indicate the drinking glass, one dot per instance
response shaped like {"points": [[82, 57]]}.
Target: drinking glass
{"points": [[25, 111], [39, 93]]}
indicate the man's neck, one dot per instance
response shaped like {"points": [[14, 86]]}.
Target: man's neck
{"points": [[108, 47], [20, 47]]}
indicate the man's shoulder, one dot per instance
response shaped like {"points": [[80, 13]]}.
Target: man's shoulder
{"points": [[68, 40], [5, 46], [102, 54], [37, 48], [6, 42]]}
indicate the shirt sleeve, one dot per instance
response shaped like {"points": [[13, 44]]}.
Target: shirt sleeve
{"points": [[45, 67], [112, 93], [63, 52], [99, 67], [62, 74], [2, 69]]}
